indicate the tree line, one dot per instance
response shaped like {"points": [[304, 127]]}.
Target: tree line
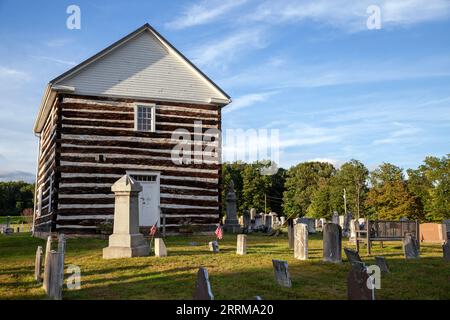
{"points": [[318, 189], [15, 197]]}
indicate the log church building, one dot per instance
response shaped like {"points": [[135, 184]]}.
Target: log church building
{"points": [[114, 114]]}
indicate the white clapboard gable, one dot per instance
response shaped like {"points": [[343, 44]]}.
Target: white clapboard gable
{"points": [[143, 67]]}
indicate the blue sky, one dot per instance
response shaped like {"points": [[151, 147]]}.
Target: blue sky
{"points": [[335, 89]]}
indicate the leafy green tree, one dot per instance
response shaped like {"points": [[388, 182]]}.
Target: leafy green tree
{"points": [[321, 200], [389, 198], [255, 187], [431, 184], [353, 177], [302, 181], [15, 196]]}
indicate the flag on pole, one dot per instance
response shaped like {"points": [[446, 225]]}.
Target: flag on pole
{"points": [[153, 230], [219, 232]]}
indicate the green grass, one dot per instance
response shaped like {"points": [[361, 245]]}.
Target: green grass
{"points": [[15, 219], [231, 276]]}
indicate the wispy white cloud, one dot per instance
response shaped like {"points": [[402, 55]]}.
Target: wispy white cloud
{"points": [[56, 43], [60, 61], [351, 15], [204, 12], [403, 133], [248, 100], [223, 51], [306, 75], [11, 74]]}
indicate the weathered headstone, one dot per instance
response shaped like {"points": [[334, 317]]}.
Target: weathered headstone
{"points": [[48, 248], [241, 244], [282, 220], [231, 221], [410, 247], [268, 221], [282, 276], [52, 275], [310, 222], [357, 284], [213, 246], [301, 241], [252, 213], [332, 243], [352, 237], [202, 286], [246, 219], [446, 250], [291, 233], [258, 220], [61, 257], [335, 218], [382, 264], [160, 248], [126, 241], [352, 256], [38, 265]]}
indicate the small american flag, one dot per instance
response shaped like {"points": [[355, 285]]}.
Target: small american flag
{"points": [[219, 232], [153, 230]]}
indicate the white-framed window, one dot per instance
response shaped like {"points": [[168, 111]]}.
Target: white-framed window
{"points": [[144, 117]]}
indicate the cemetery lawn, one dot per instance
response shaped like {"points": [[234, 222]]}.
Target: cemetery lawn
{"points": [[231, 276]]}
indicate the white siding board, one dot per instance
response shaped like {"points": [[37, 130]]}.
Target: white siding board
{"points": [[142, 68]]}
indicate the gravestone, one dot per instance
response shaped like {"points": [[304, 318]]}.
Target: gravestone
{"points": [[241, 244], [126, 241], [246, 219], [342, 222], [382, 264], [357, 284], [282, 220], [268, 221], [258, 221], [252, 213], [202, 286], [38, 265], [213, 246], [54, 290], [231, 221], [410, 247], [352, 237], [332, 243], [301, 241], [446, 250], [310, 222], [160, 248], [335, 218], [291, 233], [352, 256], [282, 276], [48, 248], [61, 257]]}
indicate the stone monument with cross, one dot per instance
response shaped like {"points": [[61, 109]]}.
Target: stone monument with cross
{"points": [[231, 221]]}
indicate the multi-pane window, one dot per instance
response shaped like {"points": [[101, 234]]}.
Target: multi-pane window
{"points": [[144, 178], [145, 118]]}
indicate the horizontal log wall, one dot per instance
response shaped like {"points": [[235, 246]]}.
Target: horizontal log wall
{"points": [[47, 177], [189, 192]]}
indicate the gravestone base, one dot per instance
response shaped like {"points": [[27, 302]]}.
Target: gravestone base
{"points": [[232, 228], [125, 252], [126, 246]]}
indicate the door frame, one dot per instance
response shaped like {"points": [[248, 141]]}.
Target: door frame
{"points": [[158, 177]]}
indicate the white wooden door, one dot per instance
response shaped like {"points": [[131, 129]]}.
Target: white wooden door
{"points": [[148, 198]]}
